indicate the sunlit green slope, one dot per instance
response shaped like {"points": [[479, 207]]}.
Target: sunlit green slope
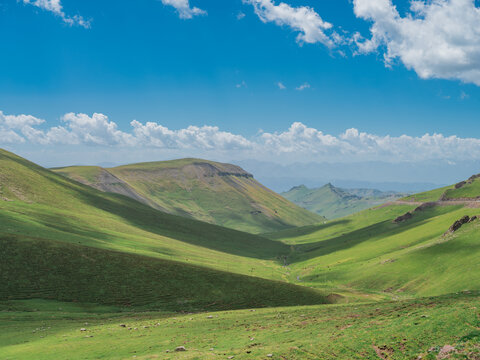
{"points": [[217, 193], [64, 240], [370, 252]]}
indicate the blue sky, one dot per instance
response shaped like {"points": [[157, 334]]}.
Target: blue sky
{"points": [[141, 61]]}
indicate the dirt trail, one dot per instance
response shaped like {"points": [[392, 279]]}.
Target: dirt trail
{"points": [[465, 202]]}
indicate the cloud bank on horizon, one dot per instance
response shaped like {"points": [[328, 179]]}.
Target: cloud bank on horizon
{"points": [[297, 142]]}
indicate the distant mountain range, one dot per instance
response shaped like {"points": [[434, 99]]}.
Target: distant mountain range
{"points": [[333, 202]]}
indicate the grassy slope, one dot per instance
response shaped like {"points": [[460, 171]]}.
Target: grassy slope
{"points": [[188, 188], [394, 330], [428, 196], [370, 253], [67, 272], [332, 202], [469, 190], [45, 206]]}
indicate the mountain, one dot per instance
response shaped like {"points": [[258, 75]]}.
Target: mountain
{"points": [[221, 194], [332, 202], [65, 241]]}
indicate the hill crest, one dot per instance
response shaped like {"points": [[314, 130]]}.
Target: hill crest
{"points": [[219, 193]]}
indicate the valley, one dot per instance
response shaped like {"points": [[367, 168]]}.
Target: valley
{"points": [[80, 265]]}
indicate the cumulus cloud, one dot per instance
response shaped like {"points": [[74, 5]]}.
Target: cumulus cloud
{"points": [[193, 137], [298, 142], [55, 7], [281, 86], [436, 38], [312, 29], [185, 11]]}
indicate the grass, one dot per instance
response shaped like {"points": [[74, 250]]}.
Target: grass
{"points": [[395, 330], [72, 257], [369, 253], [203, 190], [66, 272], [428, 196], [471, 190]]}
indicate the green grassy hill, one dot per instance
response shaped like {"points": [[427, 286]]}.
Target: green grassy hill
{"points": [[81, 271], [333, 203], [67, 241], [370, 252], [217, 193]]}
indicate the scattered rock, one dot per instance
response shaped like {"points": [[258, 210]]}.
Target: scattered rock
{"points": [[230, 357], [403, 218], [123, 325], [269, 355], [209, 317], [180, 348], [83, 329], [445, 351]]}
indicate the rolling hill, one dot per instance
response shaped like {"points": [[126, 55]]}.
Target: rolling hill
{"points": [[221, 194], [401, 249], [332, 202], [88, 274], [62, 240]]}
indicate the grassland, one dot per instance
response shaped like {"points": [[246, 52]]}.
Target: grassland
{"points": [[66, 272], [389, 330], [471, 190], [370, 253], [217, 193], [77, 263], [66, 241]]}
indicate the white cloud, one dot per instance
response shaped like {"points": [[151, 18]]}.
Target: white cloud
{"points": [[193, 137], [185, 11], [437, 38], [281, 86], [303, 87], [297, 143], [240, 15], [55, 7], [303, 19]]}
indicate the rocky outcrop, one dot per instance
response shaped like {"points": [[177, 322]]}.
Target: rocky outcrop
{"points": [[459, 223]]}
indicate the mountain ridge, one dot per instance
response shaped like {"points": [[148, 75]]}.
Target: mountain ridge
{"points": [[334, 202]]}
